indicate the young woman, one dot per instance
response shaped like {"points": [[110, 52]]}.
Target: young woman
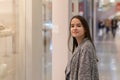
{"points": [[83, 62]]}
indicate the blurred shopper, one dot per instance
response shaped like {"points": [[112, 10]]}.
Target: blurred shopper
{"points": [[108, 28], [100, 28], [114, 26], [118, 29], [83, 62], [107, 25], [118, 23]]}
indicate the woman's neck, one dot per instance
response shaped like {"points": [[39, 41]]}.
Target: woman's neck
{"points": [[79, 40]]}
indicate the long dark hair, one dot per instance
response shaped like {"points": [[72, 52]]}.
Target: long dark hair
{"points": [[86, 28]]}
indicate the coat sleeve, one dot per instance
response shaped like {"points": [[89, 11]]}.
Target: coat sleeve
{"points": [[85, 65]]}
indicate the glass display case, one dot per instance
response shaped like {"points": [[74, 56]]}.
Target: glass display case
{"points": [[11, 48]]}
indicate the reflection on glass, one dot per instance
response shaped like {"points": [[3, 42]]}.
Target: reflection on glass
{"points": [[47, 30], [7, 40]]}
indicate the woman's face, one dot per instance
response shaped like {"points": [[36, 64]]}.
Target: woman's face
{"points": [[77, 29]]}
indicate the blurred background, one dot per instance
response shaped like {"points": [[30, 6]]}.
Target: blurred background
{"points": [[103, 17]]}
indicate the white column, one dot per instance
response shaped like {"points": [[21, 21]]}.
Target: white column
{"points": [[37, 43], [28, 39], [20, 40], [34, 40], [60, 19]]}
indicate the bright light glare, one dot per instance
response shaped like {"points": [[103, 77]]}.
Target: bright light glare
{"points": [[112, 0]]}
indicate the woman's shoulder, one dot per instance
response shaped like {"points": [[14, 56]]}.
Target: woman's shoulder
{"points": [[87, 44]]}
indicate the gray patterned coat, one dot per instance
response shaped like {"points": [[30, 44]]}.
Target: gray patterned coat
{"points": [[83, 63]]}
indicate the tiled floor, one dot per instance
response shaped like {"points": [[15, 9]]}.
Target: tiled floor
{"points": [[108, 52]]}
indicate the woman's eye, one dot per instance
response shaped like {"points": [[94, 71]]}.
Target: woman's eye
{"points": [[79, 25], [72, 25]]}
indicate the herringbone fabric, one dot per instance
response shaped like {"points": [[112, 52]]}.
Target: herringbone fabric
{"points": [[83, 63]]}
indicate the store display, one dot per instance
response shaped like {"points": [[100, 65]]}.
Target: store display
{"points": [[6, 32], [3, 71], [2, 27]]}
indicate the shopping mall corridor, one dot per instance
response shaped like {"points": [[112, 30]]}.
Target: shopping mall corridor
{"points": [[108, 52]]}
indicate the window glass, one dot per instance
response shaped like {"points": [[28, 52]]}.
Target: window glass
{"points": [[47, 36]]}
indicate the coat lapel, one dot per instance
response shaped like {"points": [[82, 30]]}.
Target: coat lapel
{"points": [[67, 70]]}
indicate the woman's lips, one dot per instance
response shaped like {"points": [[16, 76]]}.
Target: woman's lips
{"points": [[75, 32]]}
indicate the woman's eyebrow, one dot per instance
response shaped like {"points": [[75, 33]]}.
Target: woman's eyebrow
{"points": [[76, 23]]}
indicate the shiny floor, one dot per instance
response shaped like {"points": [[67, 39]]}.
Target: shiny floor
{"points": [[108, 51]]}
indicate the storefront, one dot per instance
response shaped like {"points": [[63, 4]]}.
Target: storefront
{"points": [[20, 49]]}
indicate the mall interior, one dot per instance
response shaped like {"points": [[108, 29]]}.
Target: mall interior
{"points": [[34, 37]]}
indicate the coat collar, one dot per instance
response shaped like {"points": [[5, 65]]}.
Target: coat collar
{"points": [[80, 45]]}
